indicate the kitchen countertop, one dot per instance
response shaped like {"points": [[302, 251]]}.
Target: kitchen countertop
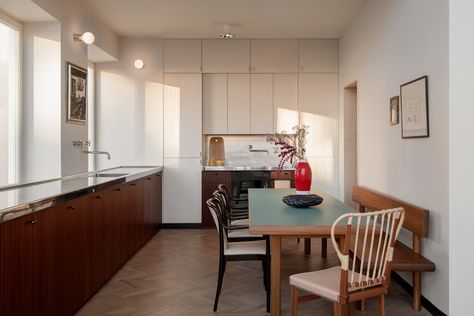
{"points": [[244, 168], [22, 199]]}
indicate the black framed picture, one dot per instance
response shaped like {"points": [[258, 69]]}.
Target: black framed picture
{"points": [[414, 108], [76, 94], [394, 110]]}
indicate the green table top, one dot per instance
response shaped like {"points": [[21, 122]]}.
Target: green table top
{"points": [[269, 215]]}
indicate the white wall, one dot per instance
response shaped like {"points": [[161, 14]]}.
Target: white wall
{"points": [[41, 106], [461, 156], [129, 106], [76, 17], [388, 44]]}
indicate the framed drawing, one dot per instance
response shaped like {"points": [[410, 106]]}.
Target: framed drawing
{"points": [[394, 110], [414, 108], [76, 93]]}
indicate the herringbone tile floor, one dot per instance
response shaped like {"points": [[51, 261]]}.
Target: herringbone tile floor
{"points": [[175, 274]]}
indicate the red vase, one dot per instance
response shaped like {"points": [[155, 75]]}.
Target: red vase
{"points": [[303, 177]]}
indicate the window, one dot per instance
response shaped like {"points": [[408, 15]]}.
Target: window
{"points": [[9, 100]]}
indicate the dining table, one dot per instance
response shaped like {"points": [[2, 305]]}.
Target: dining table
{"points": [[269, 215]]}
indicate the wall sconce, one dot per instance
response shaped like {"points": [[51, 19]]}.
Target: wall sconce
{"points": [[139, 64], [86, 37]]}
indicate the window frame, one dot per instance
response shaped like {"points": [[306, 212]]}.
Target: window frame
{"points": [[14, 150]]}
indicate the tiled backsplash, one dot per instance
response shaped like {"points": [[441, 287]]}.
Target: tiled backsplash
{"points": [[237, 151]]}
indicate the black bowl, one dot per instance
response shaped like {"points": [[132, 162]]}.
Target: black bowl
{"points": [[301, 201]]}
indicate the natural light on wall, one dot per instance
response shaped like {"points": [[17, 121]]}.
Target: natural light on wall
{"points": [[9, 102]]}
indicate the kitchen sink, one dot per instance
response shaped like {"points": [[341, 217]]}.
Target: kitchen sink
{"points": [[107, 175]]}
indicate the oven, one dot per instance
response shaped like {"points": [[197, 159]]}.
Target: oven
{"points": [[242, 181]]}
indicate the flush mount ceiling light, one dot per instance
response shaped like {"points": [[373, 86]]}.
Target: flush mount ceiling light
{"points": [[139, 64], [227, 35], [86, 37]]}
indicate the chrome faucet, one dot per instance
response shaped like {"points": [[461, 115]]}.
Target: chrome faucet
{"points": [[87, 143], [257, 150]]}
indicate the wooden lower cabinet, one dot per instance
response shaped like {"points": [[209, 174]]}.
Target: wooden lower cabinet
{"points": [[210, 181], [54, 260]]}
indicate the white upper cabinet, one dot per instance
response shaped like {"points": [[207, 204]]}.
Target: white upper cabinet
{"points": [[226, 56], [183, 115], [274, 56], [318, 107], [285, 102], [182, 56], [319, 55], [214, 107], [239, 104], [261, 103]]}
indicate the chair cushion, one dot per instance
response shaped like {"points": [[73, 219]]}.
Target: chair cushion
{"points": [[246, 248], [324, 283], [244, 221], [241, 233]]}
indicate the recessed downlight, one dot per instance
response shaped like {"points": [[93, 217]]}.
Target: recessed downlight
{"points": [[227, 35], [139, 64]]}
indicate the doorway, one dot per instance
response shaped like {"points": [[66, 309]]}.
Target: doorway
{"points": [[350, 141]]}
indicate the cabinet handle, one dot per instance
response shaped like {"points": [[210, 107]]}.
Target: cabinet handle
{"points": [[71, 207], [33, 221], [133, 184], [99, 197], [118, 190], [148, 178]]}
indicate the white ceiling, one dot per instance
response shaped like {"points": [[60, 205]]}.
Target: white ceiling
{"points": [[245, 18], [24, 11]]}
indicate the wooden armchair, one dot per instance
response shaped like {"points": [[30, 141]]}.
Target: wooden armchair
{"points": [[349, 282]]}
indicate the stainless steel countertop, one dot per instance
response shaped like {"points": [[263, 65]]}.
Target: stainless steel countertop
{"points": [[244, 168], [19, 200]]}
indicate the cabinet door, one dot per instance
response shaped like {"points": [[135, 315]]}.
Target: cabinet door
{"points": [[220, 56], [319, 55], [261, 104], [119, 228], [274, 55], [214, 107], [318, 106], [210, 181], [183, 115], [182, 55], [285, 102], [182, 190], [238, 104], [158, 199]]}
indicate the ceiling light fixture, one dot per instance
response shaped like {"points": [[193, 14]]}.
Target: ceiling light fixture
{"points": [[139, 64], [227, 35], [86, 37]]}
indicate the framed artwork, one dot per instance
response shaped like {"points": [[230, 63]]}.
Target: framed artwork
{"points": [[394, 110], [414, 108], [76, 94]]}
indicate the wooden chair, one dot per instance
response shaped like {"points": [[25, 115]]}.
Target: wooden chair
{"points": [[406, 258], [349, 283], [238, 250]]}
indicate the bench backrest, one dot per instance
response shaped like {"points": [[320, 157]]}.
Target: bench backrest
{"points": [[416, 218]]}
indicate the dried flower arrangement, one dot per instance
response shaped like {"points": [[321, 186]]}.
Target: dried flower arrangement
{"points": [[292, 146]]}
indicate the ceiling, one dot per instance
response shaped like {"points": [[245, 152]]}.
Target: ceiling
{"points": [[245, 18], [24, 11]]}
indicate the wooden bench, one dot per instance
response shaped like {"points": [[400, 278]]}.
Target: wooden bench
{"points": [[416, 221]]}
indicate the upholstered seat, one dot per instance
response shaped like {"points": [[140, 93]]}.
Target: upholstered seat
{"points": [[244, 221], [325, 283], [241, 233], [257, 247]]}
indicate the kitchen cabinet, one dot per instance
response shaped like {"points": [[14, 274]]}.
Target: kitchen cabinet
{"points": [[52, 261], [318, 107], [274, 56], [238, 104], [282, 176], [221, 56], [183, 115], [214, 109], [210, 181], [182, 55], [318, 55], [261, 103], [182, 190], [285, 102]]}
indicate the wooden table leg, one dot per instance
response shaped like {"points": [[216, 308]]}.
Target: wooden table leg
{"points": [[275, 299], [324, 247], [307, 246]]}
